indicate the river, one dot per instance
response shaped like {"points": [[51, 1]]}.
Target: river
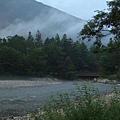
{"points": [[19, 100]]}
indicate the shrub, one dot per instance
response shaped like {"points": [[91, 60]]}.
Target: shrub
{"points": [[112, 77], [85, 103]]}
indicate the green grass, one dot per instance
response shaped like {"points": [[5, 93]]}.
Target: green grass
{"points": [[85, 103]]}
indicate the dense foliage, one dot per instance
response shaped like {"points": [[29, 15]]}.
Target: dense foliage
{"points": [[57, 57], [106, 23], [86, 104], [109, 62], [50, 57]]}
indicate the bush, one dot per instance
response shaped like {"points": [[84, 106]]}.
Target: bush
{"points": [[113, 77], [85, 103]]}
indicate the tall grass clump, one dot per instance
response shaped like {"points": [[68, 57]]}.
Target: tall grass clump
{"points": [[84, 103]]}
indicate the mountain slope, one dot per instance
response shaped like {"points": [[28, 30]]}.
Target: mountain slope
{"points": [[21, 16]]}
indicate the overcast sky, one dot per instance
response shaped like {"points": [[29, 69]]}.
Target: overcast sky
{"points": [[80, 8]]}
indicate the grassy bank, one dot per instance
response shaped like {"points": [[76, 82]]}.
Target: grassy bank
{"points": [[85, 103]]}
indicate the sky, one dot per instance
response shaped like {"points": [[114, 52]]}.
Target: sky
{"points": [[83, 9]]}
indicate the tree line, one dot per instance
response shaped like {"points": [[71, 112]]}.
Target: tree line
{"points": [[57, 57]]}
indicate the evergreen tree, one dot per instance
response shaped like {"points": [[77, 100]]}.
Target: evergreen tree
{"points": [[18, 43], [30, 41], [11, 61], [38, 39], [37, 62]]}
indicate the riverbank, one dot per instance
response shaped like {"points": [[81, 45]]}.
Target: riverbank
{"points": [[32, 82], [20, 95], [10, 104], [105, 81]]}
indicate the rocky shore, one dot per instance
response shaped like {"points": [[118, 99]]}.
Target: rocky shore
{"points": [[104, 80], [26, 117], [11, 84], [6, 84]]}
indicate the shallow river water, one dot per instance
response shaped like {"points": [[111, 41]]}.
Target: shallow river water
{"points": [[19, 100]]}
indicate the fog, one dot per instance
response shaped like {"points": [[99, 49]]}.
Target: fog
{"points": [[49, 25], [20, 17]]}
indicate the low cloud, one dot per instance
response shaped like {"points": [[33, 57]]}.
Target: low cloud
{"points": [[49, 26]]}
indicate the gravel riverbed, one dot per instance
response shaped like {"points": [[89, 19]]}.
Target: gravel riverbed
{"points": [[18, 96], [5, 84]]}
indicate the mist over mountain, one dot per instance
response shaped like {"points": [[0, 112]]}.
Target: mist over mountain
{"points": [[21, 16]]}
